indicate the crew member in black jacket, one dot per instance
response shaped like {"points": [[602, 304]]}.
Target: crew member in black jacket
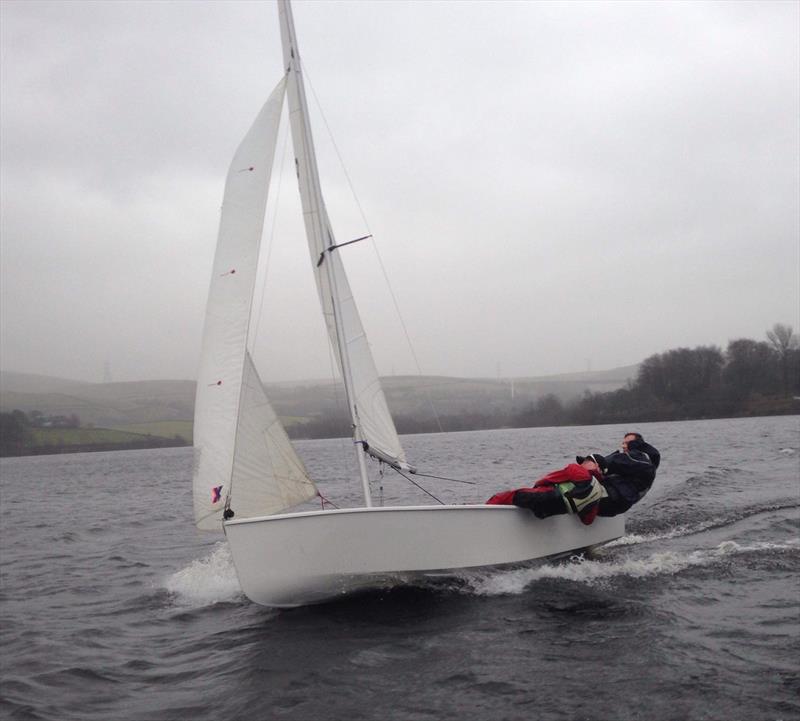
{"points": [[628, 474]]}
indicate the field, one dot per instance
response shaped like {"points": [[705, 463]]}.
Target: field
{"points": [[165, 429], [74, 440]]}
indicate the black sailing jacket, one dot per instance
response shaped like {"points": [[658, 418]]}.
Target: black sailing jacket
{"points": [[629, 476]]}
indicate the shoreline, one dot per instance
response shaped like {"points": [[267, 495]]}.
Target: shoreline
{"points": [[152, 442]]}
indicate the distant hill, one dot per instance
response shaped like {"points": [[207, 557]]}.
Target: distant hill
{"points": [[121, 405], [33, 383], [108, 405]]}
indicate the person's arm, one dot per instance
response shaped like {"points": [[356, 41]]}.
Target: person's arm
{"points": [[635, 465], [652, 452]]}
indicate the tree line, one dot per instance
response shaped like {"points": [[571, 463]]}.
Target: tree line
{"points": [[749, 378]]}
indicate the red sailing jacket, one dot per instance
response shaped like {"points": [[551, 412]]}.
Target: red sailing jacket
{"points": [[572, 472]]}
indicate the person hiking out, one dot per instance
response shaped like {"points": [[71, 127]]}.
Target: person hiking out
{"points": [[628, 474], [595, 485]]}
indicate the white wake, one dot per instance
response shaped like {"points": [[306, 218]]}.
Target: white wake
{"points": [[591, 572]]}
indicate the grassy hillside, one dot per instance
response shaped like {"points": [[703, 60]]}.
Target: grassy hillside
{"points": [[166, 408], [107, 404], [413, 396], [33, 383], [74, 440]]}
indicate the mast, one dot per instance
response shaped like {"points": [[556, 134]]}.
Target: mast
{"points": [[316, 217]]}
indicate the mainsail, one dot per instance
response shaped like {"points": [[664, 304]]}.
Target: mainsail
{"points": [[370, 413], [242, 454]]}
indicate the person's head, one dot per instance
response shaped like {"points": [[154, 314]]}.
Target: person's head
{"points": [[594, 463], [628, 437]]}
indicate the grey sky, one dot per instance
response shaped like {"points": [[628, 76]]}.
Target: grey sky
{"points": [[550, 185]]}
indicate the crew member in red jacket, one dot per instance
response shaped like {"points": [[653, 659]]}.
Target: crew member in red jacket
{"points": [[576, 488]]}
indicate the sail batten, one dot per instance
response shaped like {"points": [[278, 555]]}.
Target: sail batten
{"points": [[242, 455]]}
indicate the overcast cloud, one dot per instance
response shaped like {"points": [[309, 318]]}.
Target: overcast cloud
{"points": [[551, 186]]}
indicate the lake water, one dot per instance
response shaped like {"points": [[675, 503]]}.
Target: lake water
{"points": [[112, 605]]}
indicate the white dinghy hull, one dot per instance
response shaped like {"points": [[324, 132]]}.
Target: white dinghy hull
{"points": [[297, 559]]}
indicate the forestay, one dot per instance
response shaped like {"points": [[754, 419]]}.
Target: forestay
{"points": [[241, 450], [366, 398]]}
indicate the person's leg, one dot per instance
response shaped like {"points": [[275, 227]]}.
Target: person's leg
{"points": [[542, 503]]}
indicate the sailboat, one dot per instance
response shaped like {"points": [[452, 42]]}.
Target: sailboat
{"points": [[248, 480]]}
